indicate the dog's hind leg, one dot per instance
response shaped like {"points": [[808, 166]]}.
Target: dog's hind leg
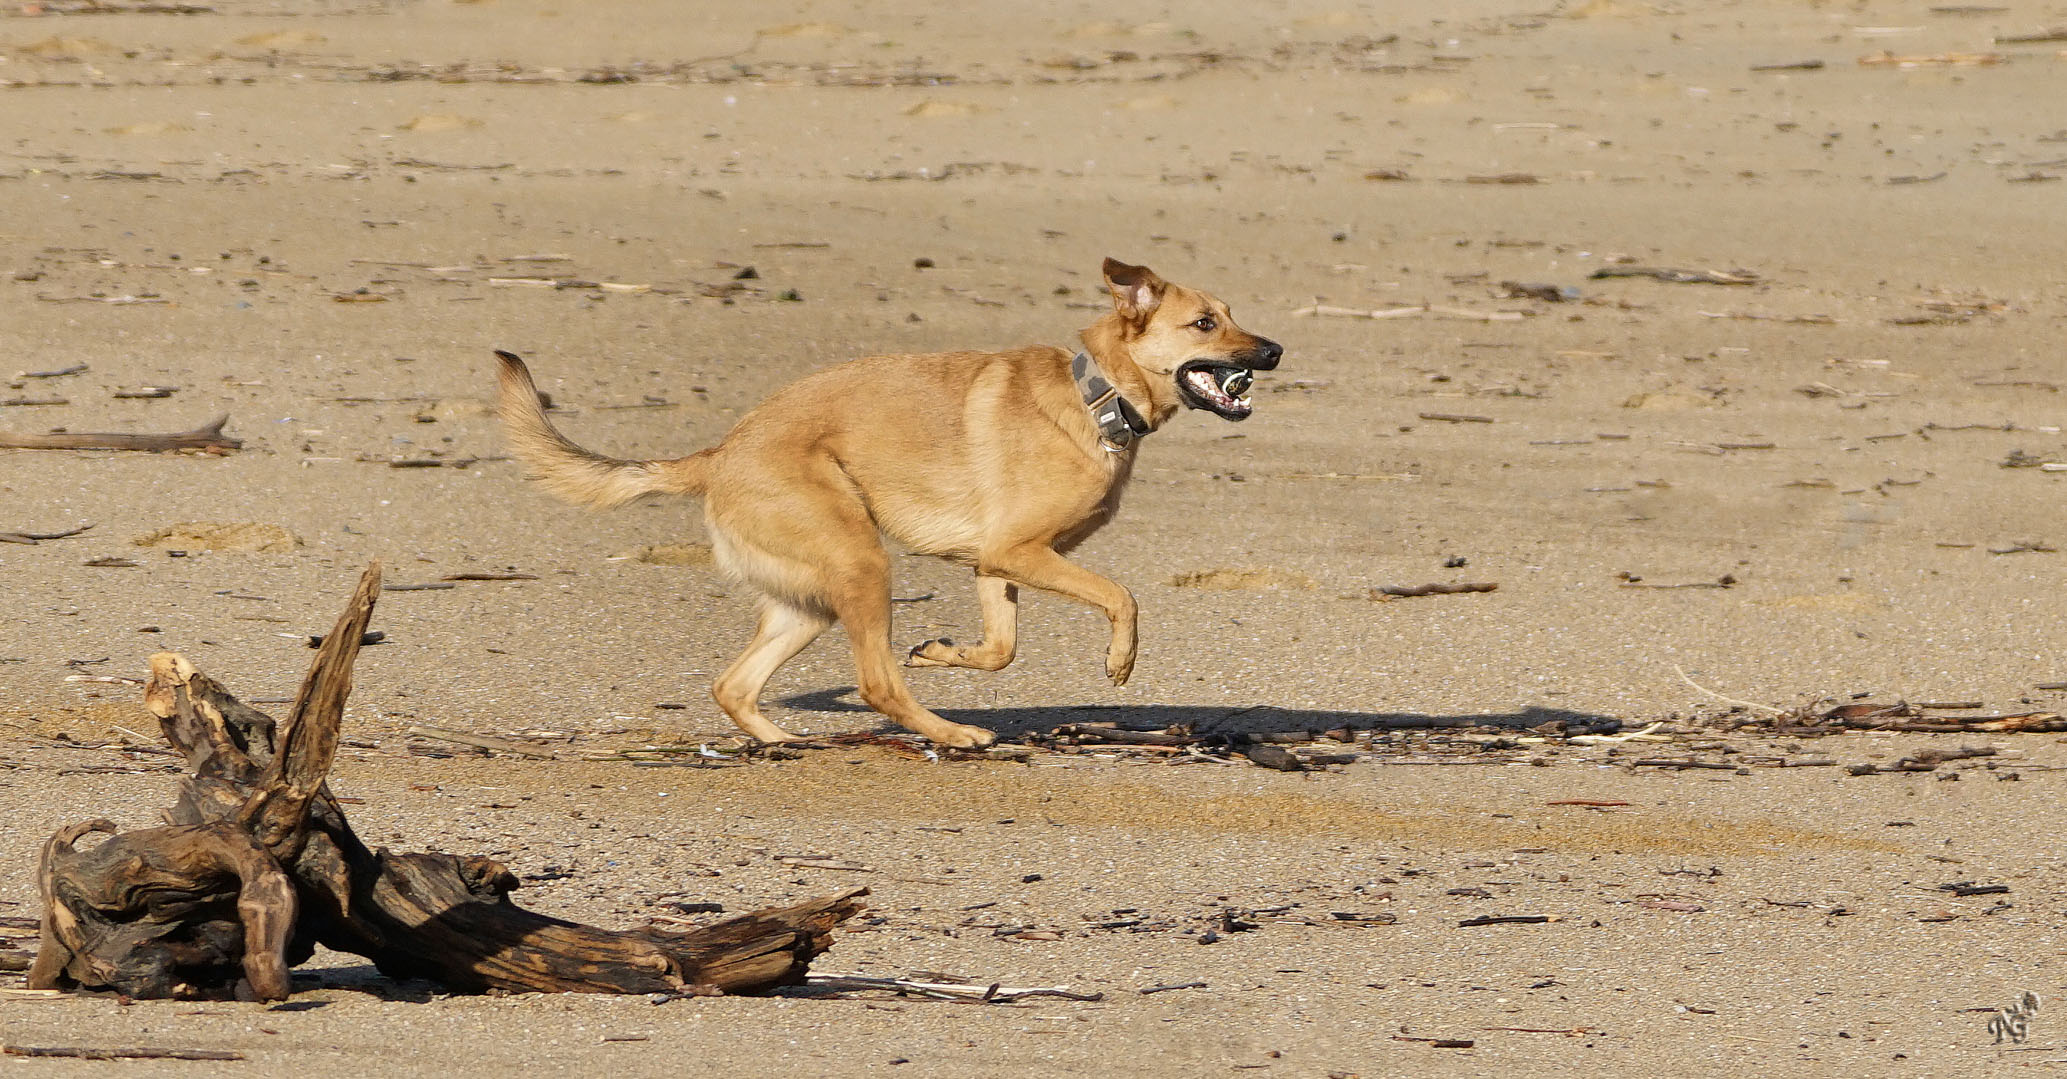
{"points": [[1036, 565], [784, 630], [861, 598], [1000, 600]]}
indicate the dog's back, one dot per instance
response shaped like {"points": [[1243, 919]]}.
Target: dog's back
{"points": [[938, 446]]}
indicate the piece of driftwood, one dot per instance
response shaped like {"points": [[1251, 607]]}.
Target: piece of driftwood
{"points": [[1321, 310], [208, 437], [1681, 277], [995, 993], [1943, 59], [1918, 718], [1405, 591], [33, 538], [80, 1052], [256, 866]]}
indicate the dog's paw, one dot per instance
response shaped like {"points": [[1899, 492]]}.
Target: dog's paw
{"points": [[963, 736], [1119, 668], [939, 652], [945, 653]]}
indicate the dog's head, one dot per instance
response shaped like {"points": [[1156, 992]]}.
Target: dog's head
{"points": [[1183, 335]]}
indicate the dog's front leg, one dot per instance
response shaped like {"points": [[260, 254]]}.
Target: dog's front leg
{"points": [[1036, 565], [1000, 600]]}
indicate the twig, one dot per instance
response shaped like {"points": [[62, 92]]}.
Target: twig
{"points": [[482, 741], [33, 538], [1114, 734], [1945, 59], [1433, 589], [812, 861], [1440, 311], [208, 437], [1766, 708], [2040, 38], [119, 301], [984, 994], [1678, 277], [140, 1053], [1644, 735], [75, 369]]}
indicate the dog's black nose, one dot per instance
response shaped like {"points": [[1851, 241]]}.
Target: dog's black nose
{"points": [[1266, 355]]}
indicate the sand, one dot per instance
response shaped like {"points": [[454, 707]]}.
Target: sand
{"points": [[320, 220]]}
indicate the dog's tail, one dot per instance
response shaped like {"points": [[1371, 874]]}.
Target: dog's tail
{"points": [[573, 473]]}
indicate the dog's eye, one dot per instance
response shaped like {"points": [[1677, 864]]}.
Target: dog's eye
{"points": [[1204, 324]]}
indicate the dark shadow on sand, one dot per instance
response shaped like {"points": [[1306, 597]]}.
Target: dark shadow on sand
{"points": [[1208, 720]]}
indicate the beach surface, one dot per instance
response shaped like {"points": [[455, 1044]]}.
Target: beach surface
{"points": [[1723, 339]]}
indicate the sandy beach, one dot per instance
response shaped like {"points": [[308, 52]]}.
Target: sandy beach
{"points": [[1722, 339]]}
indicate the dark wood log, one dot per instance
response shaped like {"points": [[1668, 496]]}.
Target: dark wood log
{"points": [[208, 437], [256, 866], [79, 1052]]}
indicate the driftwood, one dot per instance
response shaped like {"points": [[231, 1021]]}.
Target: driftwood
{"points": [[994, 993], [1681, 277], [33, 538], [1321, 310], [256, 866], [82, 1053], [1903, 716], [207, 437], [1400, 591]]}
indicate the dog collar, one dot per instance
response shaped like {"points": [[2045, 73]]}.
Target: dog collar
{"points": [[1119, 422]]}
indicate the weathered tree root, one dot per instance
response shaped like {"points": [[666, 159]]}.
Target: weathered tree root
{"points": [[256, 865]]}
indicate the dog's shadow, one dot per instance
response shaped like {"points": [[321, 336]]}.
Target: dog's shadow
{"points": [[1210, 720]]}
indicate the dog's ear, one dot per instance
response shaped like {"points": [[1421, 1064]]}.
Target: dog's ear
{"points": [[1136, 290]]}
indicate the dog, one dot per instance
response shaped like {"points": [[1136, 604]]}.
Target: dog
{"points": [[1001, 461]]}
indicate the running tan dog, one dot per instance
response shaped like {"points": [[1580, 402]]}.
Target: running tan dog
{"points": [[997, 460]]}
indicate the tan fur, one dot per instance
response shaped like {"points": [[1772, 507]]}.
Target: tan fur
{"points": [[986, 458]]}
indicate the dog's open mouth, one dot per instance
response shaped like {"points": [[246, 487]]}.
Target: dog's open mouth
{"points": [[1217, 387]]}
